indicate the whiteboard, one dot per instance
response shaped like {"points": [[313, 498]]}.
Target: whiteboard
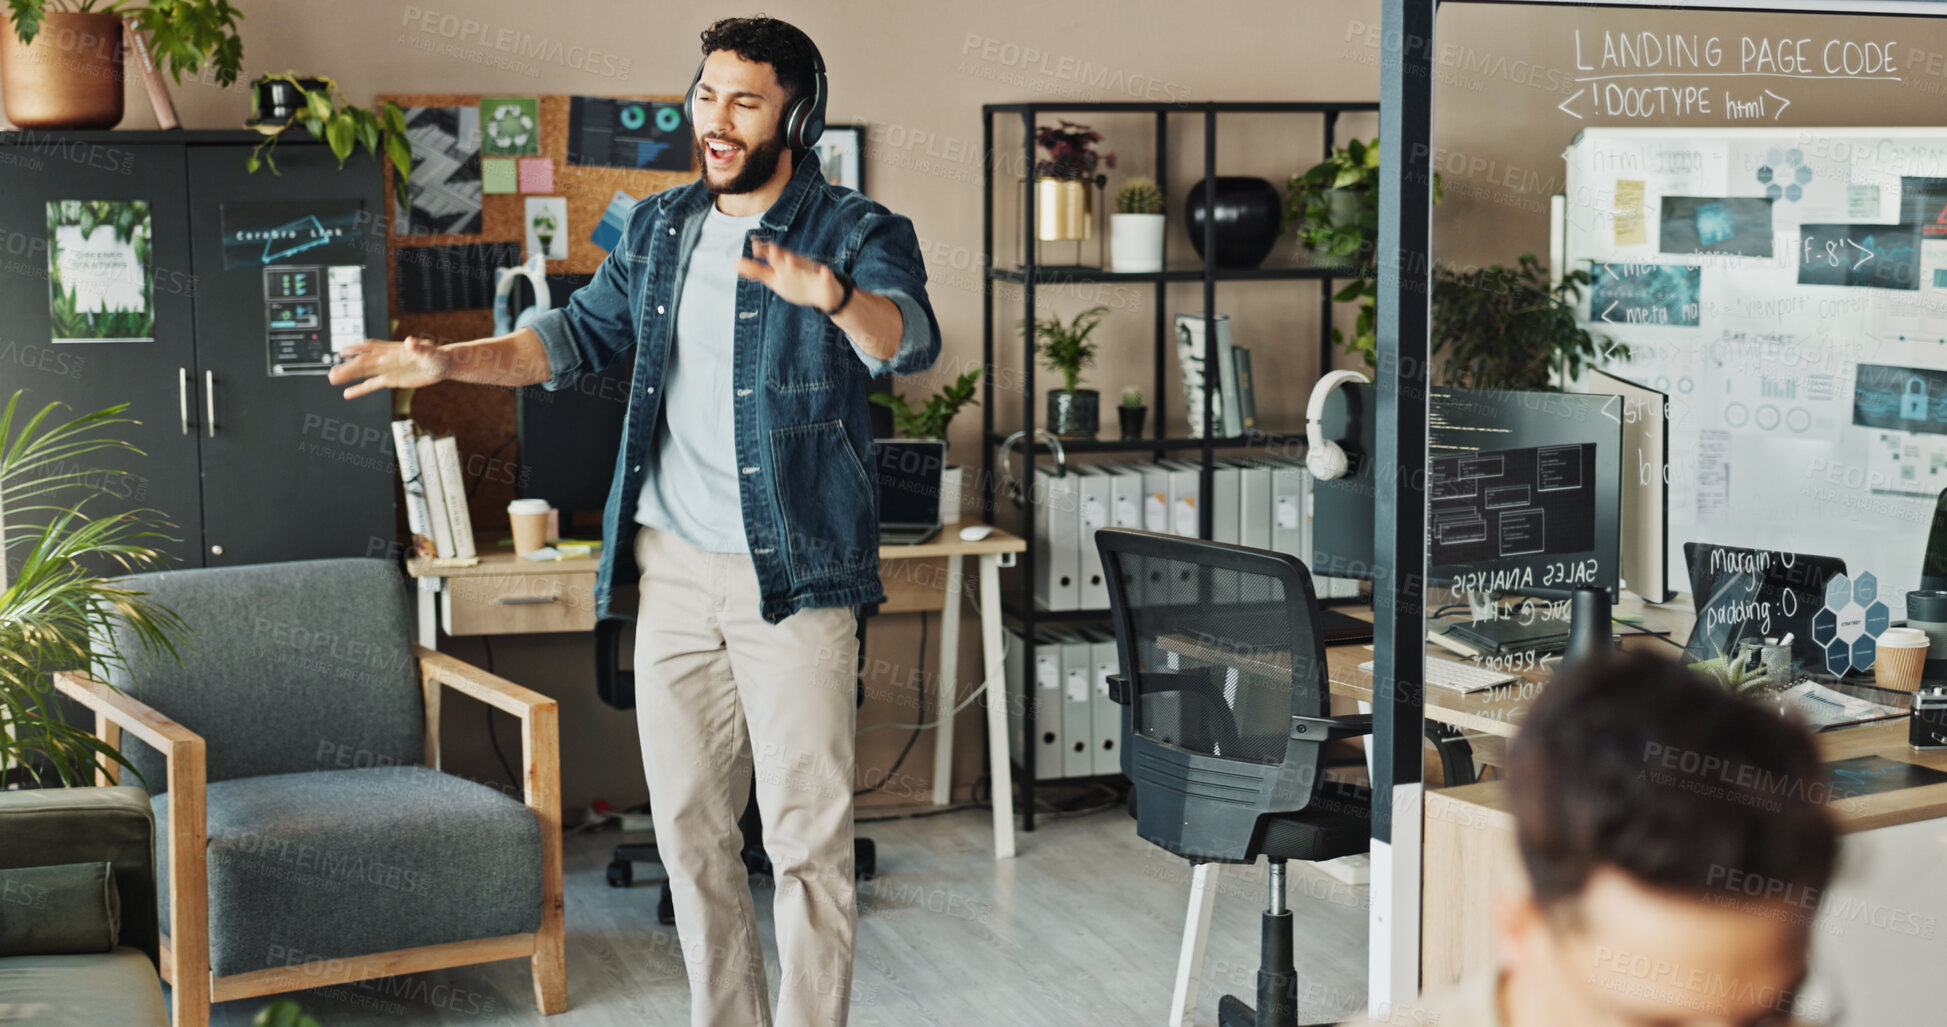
{"points": [[1787, 287]]}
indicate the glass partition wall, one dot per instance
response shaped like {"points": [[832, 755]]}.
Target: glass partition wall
{"points": [[1679, 345]]}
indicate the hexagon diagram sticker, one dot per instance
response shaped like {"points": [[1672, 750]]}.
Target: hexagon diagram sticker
{"points": [[1849, 626]]}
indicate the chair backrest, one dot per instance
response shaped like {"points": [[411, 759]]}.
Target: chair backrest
{"points": [[1219, 652], [289, 667]]}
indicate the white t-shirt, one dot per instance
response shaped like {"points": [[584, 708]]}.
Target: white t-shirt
{"points": [[691, 485]]}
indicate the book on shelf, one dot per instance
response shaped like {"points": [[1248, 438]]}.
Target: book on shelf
{"points": [[1190, 347], [442, 523], [419, 517], [454, 484], [152, 80], [1246, 397]]}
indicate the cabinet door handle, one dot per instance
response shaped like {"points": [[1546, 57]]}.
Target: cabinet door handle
{"points": [[182, 396], [209, 401], [522, 600]]}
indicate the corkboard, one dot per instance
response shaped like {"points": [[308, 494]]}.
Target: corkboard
{"points": [[481, 417]]}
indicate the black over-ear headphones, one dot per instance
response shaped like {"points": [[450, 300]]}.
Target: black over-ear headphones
{"points": [[804, 120]]}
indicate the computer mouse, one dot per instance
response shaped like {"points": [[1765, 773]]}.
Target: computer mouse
{"points": [[975, 532]]}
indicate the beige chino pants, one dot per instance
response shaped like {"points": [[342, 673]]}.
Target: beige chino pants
{"points": [[722, 695]]}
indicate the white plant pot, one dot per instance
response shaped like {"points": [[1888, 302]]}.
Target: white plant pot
{"points": [[1136, 241], [951, 479]]}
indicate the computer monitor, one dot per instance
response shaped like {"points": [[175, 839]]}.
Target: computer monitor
{"points": [[569, 439], [1645, 492], [1933, 562], [1523, 491]]}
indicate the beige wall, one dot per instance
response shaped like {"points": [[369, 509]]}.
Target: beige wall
{"points": [[917, 71]]}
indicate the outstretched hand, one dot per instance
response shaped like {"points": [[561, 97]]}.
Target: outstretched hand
{"points": [[411, 364], [794, 278]]}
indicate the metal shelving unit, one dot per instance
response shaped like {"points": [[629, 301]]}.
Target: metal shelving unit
{"points": [[1019, 608]]}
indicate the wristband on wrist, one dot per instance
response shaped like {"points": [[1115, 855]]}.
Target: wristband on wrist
{"points": [[850, 287]]}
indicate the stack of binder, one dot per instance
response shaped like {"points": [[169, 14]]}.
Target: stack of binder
{"points": [[1262, 502], [1078, 728]]}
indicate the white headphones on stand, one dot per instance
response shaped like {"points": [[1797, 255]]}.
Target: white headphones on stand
{"points": [[1323, 457], [534, 272]]}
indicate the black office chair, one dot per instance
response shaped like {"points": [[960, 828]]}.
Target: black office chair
{"points": [[616, 687], [1225, 716]]}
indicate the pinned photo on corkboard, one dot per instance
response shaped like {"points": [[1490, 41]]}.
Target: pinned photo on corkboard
{"points": [[547, 227], [445, 183]]}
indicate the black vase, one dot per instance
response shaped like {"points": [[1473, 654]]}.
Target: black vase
{"points": [[277, 101], [1250, 214], [1075, 415]]}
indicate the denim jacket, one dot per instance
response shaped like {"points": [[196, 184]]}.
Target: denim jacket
{"points": [[804, 439]]}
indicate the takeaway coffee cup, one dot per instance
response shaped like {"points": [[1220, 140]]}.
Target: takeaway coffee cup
{"points": [[1902, 658], [529, 518]]}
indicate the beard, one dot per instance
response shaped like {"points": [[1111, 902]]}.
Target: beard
{"points": [[760, 163]]}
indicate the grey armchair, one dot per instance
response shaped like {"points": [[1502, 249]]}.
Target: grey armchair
{"points": [[309, 837], [54, 826]]}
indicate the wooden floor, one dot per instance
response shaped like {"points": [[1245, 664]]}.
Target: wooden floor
{"points": [[1081, 929]]}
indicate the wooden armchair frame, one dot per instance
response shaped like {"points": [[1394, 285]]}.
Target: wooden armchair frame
{"points": [[186, 948]]}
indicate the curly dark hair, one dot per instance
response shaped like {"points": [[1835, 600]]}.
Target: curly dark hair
{"points": [[1636, 763], [782, 45]]}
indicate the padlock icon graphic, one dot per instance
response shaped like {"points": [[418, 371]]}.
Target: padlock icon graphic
{"points": [[1913, 402]]}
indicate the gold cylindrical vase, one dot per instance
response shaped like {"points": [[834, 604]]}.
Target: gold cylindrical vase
{"points": [[1063, 209]]}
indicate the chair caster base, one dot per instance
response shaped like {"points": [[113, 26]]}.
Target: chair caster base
{"points": [[1232, 1012]]}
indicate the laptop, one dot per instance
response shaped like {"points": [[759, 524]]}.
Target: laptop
{"points": [[1755, 593], [909, 489]]}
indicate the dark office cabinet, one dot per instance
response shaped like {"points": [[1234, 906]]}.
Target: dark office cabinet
{"points": [[246, 449]]}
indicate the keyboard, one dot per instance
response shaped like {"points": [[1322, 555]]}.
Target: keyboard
{"points": [[1456, 676]]}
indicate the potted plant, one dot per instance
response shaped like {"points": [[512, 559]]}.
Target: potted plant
{"points": [[1132, 412], [1736, 674], [61, 64], [929, 420], [1065, 181], [1073, 412], [1333, 208], [1509, 328], [55, 613], [1136, 228], [341, 125], [283, 1013]]}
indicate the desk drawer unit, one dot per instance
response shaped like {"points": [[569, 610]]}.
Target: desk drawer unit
{"points": [[517, 604]]}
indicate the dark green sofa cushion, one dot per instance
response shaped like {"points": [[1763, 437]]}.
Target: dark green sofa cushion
{"points": [[71, 909]]}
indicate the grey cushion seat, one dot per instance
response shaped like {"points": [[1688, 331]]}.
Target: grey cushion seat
{"points": [[336, 863], [119, 987]]}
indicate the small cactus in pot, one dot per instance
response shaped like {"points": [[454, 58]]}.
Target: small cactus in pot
{"points": [[1136, 229]]}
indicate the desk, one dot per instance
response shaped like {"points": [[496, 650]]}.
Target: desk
{"points": [[504, 594], [1890, 862], [1497, 712]]}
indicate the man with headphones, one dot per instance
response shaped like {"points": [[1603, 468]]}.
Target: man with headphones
{"points": [[756, 301]]}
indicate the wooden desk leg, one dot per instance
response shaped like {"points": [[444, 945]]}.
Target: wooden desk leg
{"points": [[949, 691], [996, 684], [428, 589]]}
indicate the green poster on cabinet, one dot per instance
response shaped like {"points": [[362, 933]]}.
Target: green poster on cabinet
{"points": [[101, 281]]}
